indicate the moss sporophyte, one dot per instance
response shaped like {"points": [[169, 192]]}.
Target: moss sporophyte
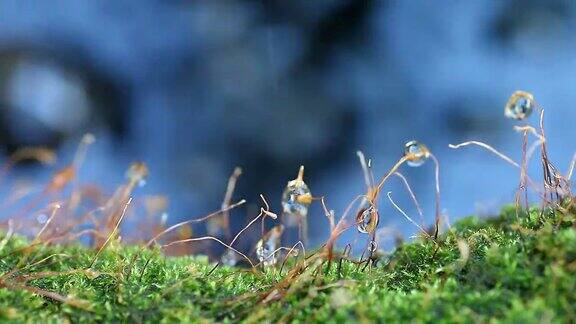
{"points": [[65, 256]]}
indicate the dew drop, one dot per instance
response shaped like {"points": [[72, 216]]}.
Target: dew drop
{"points": [[264, 251], [367, 220], [229, 258], [297, 197], [42, 218], [519, 106], [163, 219], [416, 153], [267, 245]]}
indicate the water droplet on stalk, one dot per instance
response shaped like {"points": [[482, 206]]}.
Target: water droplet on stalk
{"points": [[163, 219], [519, 106], [42, 218], [416, 153], [297, 197], [367, 220], [267, 245]]}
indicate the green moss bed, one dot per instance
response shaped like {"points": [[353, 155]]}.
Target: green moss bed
{"points": [[512, 268]]}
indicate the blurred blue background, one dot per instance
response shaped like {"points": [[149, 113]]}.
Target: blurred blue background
{"points": [[194, 88]]}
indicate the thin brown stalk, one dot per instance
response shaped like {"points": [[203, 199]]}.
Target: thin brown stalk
{"points": [[205, 238], [365, 170], [487, 147], [79, 158], [55, 208], [111, 235], [390, 172], [328, 213], [246, 227], [192, 221], [412, 195], [290, 251], [230, 187], [389, 194], [436, 194], [78, 303], [523, 173], [37, 239], [44, 260], [551, 181], [265, 212], [341, 227]]}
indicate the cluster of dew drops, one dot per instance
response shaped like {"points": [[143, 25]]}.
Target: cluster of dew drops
{"points": [[297, 197], [415, 155]]}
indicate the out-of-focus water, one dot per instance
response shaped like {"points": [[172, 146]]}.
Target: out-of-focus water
{"points": [[196, 88]]}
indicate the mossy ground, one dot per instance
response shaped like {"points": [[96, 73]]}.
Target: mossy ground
{"points": [[519, 269]]}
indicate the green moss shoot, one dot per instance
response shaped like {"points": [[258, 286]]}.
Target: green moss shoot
{"points": [[510, 268]]}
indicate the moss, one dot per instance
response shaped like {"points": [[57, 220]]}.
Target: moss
{"points": [[520, 268]]}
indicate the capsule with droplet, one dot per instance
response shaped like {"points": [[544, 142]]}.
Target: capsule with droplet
{"points": [[296, 197], [520, 105], [267, 245], [415, 153], [367, 220]]}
